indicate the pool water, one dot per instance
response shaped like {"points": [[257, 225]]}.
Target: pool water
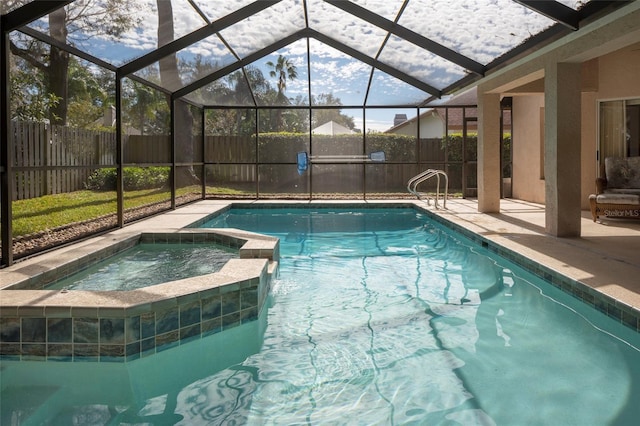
{"points": [[148, 264], [378, 317]]}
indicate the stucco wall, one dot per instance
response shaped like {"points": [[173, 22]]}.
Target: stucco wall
{"points": [[612, 76], [619, 73], [408, 129], [526, 134], [431, 126]]}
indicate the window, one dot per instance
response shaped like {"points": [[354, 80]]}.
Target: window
{"points": [[619, 134]]}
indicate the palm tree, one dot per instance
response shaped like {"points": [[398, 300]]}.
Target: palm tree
{"points": [[283, 69]]}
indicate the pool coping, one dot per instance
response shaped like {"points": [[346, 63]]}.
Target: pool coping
{"points": [[81, 325]]}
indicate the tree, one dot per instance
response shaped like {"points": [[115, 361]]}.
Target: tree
{"points": [[170, 78], [85, 19], [283, 70], [30, 100], [89, 95], [259, 84], [144, 108], [58, 70]]}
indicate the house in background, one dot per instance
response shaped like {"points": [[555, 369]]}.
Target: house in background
{"points": [[431, 124], [332, 128], [446, 118]]}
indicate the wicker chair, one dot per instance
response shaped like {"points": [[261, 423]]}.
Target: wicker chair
{"points": [[618, 192]]}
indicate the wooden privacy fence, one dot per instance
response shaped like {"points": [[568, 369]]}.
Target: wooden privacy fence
{"points": [[146, 149], [230, 149], [232, 159], [51, 159]]}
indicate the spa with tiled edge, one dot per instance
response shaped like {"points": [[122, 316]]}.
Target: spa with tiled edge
{"points": [[78, 325]]}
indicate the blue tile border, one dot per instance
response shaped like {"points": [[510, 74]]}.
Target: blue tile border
{"points": [[615, 309], [81, 339]]}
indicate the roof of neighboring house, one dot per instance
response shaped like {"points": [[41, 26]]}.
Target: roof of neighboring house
{"points": [[454, 116], [405, 123], [332, 128]]}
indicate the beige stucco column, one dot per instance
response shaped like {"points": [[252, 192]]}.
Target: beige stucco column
{"points": [[489, 177], [562, 149]]}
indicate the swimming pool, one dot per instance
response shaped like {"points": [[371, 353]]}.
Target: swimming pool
{"points": [[378, 317]]}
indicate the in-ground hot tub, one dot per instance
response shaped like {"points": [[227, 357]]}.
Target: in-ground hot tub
{"points": [[96, 325], [147, 264]]}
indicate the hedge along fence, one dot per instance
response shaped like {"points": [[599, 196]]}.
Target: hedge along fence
{"points": [[276, 152], [133, 178], [283, 147]]}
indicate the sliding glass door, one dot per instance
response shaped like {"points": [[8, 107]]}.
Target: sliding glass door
{"points": [[619, 130]]}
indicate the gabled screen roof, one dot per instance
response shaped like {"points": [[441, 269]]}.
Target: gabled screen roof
{"points": [[363, 52]]}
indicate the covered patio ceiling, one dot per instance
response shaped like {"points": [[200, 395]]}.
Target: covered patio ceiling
{"points": [[365, 52]]}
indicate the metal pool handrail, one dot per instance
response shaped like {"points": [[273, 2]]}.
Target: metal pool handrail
{"points": [[413, 183]]}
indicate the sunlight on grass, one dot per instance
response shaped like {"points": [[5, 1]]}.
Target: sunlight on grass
{"points": [[51, 211]]}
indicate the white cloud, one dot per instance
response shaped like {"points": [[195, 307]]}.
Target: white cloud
{"points": [[482, 30], [265, 27], [386, 8], [215, 52], [215, 10], [345, 28]]}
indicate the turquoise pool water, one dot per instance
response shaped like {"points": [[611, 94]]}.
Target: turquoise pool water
{"points": [[148, 264], [377, 317]]}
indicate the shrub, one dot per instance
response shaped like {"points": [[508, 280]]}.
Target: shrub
{"points": [[102, 180], [453, 143], [134, 178]]}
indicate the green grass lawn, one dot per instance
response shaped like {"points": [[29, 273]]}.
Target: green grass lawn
{"points": [[51, 211]]}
